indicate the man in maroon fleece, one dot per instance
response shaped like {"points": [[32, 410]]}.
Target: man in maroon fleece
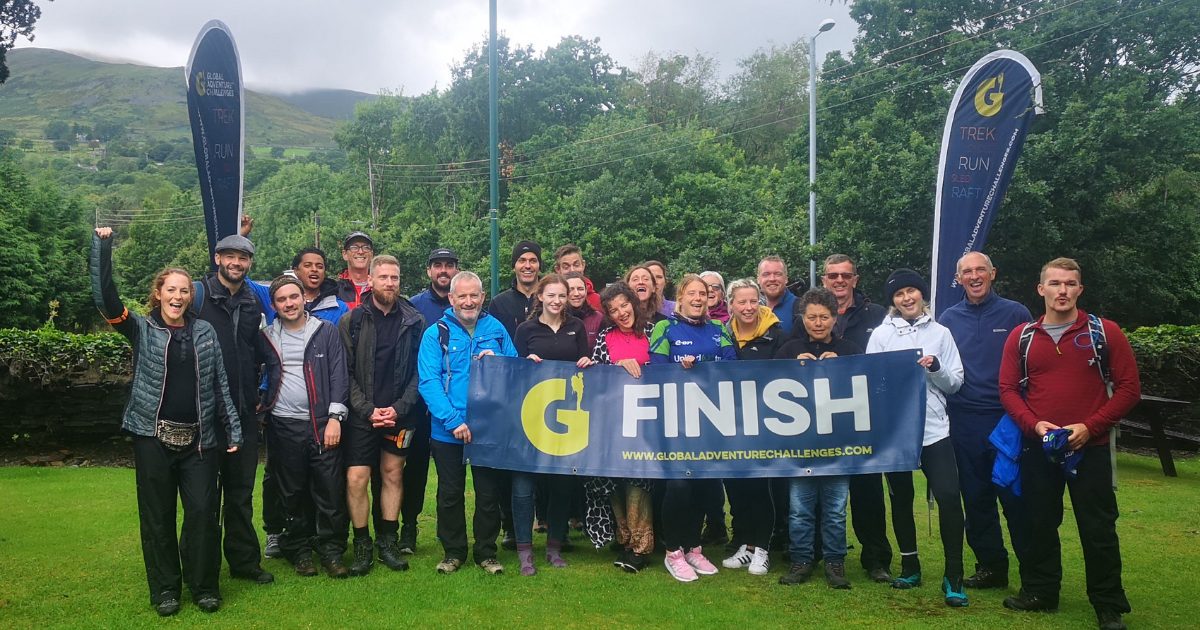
{"points": [[1066, 390]]}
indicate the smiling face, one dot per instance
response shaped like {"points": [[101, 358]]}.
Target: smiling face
{"points": [[842, 279], [385, 284], [467, 301], [772, 278], [358, 254], [642, 284], [311, 271], [818, 322], [232, 265], [569, 263], [576, 292], [526, 269], [1061, 289], [289, 303], [744, 305], [693, 299], [909, 302], [716, 292], [554, 300], [620, 311], [975, 275], [440, 273], [174, 297]]}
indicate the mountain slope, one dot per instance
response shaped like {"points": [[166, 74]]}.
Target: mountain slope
{"points": [[47, 85], [336, 104]]}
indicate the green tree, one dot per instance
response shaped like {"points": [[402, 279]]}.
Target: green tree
{"points": [[58, 130], [17, 17]]}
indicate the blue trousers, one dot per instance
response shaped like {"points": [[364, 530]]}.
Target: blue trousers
{"points": [[806, 494]]}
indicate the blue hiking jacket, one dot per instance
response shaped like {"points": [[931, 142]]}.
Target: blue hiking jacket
{"points": [[445, 377], [1006, 470], [980, 331]]}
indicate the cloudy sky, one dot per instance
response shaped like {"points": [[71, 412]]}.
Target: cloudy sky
{"points": [[371, 44]]}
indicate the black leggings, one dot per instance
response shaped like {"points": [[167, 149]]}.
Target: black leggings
{"points": [[683, 513], [753, 510], [941, 473]]}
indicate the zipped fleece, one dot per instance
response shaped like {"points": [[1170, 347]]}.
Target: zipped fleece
{"points": [[931, 338], [360, 364], [980, 331], [325, 376], [445, 377], [149, 342]]}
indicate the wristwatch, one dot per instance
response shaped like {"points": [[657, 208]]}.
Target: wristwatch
{"points": [[340, 416]]}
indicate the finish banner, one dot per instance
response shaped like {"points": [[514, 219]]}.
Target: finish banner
{"points": [[215, 97], [985, 131], [783, 418]]}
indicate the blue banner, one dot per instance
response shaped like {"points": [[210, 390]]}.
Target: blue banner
{"points": [[214, 95], [784, 418], [985, 131]]}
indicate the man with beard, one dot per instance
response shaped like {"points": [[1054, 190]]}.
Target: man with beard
{"points": [[235, 308], [307, 390], [357, 250], [381, 336], [514, 305], [569, 258], [447, 348], [773, 278], [432, 303], [981, 324]]}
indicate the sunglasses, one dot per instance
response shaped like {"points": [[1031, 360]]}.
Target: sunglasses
{"points": [[843, 276]]}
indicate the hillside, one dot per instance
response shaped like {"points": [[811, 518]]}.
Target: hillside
{"points": [[48, 85], [336, 104]]}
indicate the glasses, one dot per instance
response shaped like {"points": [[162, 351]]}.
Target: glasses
{"points": [[360, 248], [843, 276], [715, 287]]}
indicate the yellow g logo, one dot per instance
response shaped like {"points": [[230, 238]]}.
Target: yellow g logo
{"points": [[533, 417], [200, 83], [988, 98]]}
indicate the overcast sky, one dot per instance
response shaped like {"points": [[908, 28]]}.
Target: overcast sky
{"points": [[371, 44]]}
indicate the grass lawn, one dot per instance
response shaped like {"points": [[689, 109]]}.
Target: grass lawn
{"points": [[70, 557]]}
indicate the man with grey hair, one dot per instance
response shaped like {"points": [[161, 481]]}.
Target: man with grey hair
{"points": [[981, 324], [444, 362]]}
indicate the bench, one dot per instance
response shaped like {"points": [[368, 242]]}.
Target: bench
{"points": [[1147, 417]]}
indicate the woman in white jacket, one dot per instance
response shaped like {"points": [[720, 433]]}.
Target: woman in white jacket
{"points": [[909, 325]]}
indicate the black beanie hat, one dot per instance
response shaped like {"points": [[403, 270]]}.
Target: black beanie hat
{"points": [[900, 279], [525, 247]]}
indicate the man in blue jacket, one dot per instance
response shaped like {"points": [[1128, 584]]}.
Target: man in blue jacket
{"points": [[464, 333], [981, 324]]}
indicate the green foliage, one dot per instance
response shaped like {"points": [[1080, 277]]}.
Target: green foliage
{"points": [[57, 130], [1168, 360], [47, 355], [63, 145]]}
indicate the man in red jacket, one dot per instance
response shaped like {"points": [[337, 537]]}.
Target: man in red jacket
{"points": [[568, 258], [1065, 390]]}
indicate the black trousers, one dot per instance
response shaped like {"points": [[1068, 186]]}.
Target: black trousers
{"points": [[753, 509], [238, 472], [451, 503], [1095, 507], [162, 476], [274, 519], [416, 475], [312, 487], [973, 452], [712, 503], [941, 473], [682, 512], [868, 517]]}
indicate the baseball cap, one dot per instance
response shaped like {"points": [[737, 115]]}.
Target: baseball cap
{"points": [[443, 254], [357, 234]]}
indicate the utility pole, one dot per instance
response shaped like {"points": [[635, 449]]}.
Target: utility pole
{"points": [[371, 186], [494, 149], [317, 230], [812, 149]]}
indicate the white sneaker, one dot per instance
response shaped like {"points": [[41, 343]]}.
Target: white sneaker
{"points": [[739, 560], [761, 563]]}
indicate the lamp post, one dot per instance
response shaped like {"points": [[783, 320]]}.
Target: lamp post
{"points": [[494, 150], [812, 147]]}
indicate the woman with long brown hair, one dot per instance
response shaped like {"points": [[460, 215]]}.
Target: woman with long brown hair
{"points": [[641, 281], [178, 395]]}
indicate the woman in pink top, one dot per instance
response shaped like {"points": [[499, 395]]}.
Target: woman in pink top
{"points": [[622, 504]]}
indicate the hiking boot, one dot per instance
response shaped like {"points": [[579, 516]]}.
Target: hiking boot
{"points": [[257, 574], [906, 582], [956, 597], [987, 578], [272, 550], [880, 575], [798, 573], [1029, 602], [714, 534], [677, 565], [508, 542], [739, 560], [208, 604], [389, 552], [305, 567], [335, 568], [167, 607], [363, 556], [408, 540], [448, 566], [835, 576], [1110, 620], [492, 566]]}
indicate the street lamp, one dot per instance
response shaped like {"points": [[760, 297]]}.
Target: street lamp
{"points": [[812, 147]]}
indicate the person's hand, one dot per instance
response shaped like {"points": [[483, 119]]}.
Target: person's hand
{"points": [[632, 366], [1041, 428], [247, 225], [1079, 436], [231, 449], [687, 362], [487, 352], [828, 355], [333, 433], [926, 361], [533, 357], [806, 355], [104, 232], [383, 417], [585, 362], [461, 432]]}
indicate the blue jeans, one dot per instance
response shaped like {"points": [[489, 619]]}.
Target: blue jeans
{"points": [[523, 505], [830, 493]]}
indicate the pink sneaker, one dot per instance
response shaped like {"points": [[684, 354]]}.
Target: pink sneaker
{"points": [[699, 562], [678, 567]]}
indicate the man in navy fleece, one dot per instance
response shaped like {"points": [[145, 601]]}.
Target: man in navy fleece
{"points": [[981, 324]]}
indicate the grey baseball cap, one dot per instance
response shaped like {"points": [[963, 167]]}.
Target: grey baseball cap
{"points": [[237, 243]]}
